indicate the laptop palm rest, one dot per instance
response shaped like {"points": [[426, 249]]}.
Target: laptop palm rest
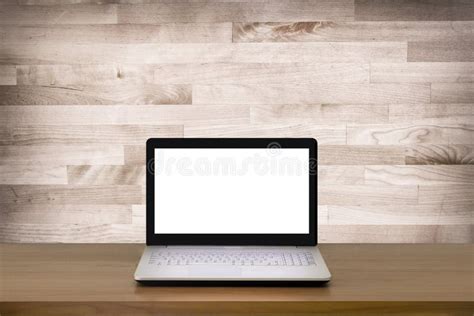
{"points": [[216, 271]]}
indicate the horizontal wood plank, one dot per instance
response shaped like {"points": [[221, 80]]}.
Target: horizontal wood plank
{"points": [[440, 155], [59, 14], [135, 155], [422, 72], [409, 134], [118, 33], [452, 93], [65, 214], [24, 135], [341, 175], [7, 75], [123, 115], [396, 233], [325, 134], [139, 214], [106, 175], [320, 113], [311, 93], [422, 175], [406, 10], [62, 155], [441, 51], [360, 155], [446, 194], [432, 113], [261, 73], [71, 194], [95, 94], [425, 214], [72, 233], [331, 52], [5, 135], [72, 75], [367, 194], [338, 31], [33, 173], [298, 10]]}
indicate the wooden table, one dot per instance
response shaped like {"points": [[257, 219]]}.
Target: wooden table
{"points": [[79, 279]]}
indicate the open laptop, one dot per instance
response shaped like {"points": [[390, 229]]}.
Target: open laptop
{"points": [[238, 210]]}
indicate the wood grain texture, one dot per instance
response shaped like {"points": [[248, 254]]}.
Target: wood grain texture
{"points": [[422, 175], [77, 14], [440, 155], [101, 275], [422, 72], [332, 52], [25, 135], [261, 73], [72, 75], [7, 75], [425, 214], [123, 114], [441, 51], [341, 175], [446, 193], [135, 155], [325, 134], [367, 194], [432, 113], [237, 11], [406, 10], [106, 175], [452, 93], [119, 33], [361, 155], [384, 86], [71, 233], [336, 31], [308, 94], [46, 214], [71, 194], [62, 154], [320, 113], [398, 233], [95, 94], [409, 134], [32, 174]]}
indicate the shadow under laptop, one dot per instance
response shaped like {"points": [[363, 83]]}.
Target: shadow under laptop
{"points": [[321, 284]]}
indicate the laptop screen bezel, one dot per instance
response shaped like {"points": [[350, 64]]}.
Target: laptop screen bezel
{"points": [[153, 238]]}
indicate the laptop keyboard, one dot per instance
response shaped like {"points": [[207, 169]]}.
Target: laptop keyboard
{"points": [[232, 257]]}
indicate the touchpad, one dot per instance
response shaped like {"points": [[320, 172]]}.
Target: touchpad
{"points": [[214, 271]]}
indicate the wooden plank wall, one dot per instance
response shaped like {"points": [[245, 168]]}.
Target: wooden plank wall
{"points": [[386, 86]]}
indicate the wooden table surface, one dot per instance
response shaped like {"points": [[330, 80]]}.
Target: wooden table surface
{"points": [[80, 279]]}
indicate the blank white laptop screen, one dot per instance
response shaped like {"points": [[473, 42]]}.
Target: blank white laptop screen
{"points": [[231, 191]]}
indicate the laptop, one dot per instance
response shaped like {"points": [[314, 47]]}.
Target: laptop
{"points": [[231, 210]]}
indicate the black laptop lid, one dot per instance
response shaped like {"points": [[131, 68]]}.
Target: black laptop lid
{"points": [[231, 191]]}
